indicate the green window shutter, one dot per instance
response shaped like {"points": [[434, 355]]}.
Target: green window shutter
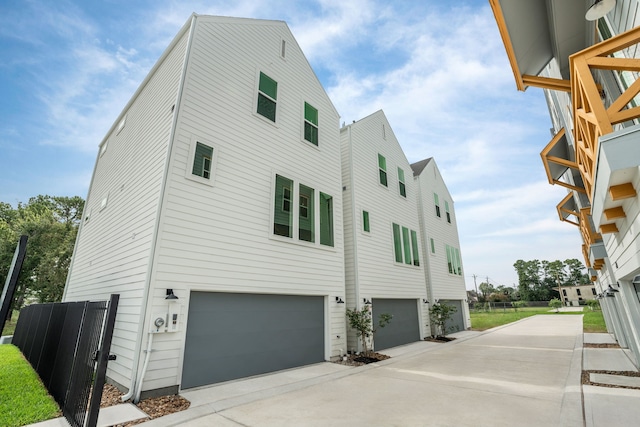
{"points": [[401, 184], [267, 96], [397, 242], [306, 217], [406, 245], [310, 124], [365, 221], [202, 161], [414, 248], [283, 214], [382, 167], [326, 219]]}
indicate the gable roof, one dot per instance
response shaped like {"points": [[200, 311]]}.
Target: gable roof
{"points": [[418, 167]]}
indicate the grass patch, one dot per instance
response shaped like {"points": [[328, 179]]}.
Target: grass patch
{"points": [[23, 398], [10, 326], [592, 321]]}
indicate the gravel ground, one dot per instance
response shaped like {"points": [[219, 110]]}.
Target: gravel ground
{"points": [[155, 407]]}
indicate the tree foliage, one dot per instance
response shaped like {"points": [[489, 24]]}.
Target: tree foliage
{"points": [[440, 313], [537, 279], [362, 321], [51, 224]]}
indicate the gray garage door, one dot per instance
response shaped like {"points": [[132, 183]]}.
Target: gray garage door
{"points": [[456, 323], [404, 327], [238, 335]]}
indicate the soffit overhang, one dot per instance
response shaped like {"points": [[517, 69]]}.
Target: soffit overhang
{"points": [[534, 32]]}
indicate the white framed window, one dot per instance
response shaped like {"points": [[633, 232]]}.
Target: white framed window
{"points": [[312, 216], [201, 163], [436, 203], [267, 97], [405, 245], [310, 124]]}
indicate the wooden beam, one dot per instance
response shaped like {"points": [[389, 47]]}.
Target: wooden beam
{"points": [[622, 191], [610, 63], [547, 83], [608, 228], [614, 213], [506, 41]]}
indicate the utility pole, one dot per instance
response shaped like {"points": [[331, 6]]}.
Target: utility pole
{"points": [[475, 284]]}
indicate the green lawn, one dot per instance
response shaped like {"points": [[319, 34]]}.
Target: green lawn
{"points": [[480, 321], [10, 326], [23, 398]]}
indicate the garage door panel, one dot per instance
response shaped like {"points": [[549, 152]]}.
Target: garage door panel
{"points": [[233, 336], [404, 327]]}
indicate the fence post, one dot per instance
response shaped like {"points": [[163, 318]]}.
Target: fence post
{"points": [[102, 359]]}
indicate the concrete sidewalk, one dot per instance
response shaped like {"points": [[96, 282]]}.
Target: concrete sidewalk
{"points": [[523, 374], [527, 373]]}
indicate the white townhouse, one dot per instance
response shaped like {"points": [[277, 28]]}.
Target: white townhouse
{"points": [[444, 273], [220, 185], [585, 57], [383, 263]]}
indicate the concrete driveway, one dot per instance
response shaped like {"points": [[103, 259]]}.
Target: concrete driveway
{"points": [[523, 374]]}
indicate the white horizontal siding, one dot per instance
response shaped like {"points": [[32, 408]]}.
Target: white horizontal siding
{"points": [[113, 248], [217, 238]]}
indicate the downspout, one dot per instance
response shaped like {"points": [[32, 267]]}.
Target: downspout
{"points": [[356, 281], [425, 251], [136, 384], [138, 388]]}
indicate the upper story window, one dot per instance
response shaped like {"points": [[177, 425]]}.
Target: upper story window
{"points": [[433, 245], [447, 212], [310, 124], [436, 202], [202, 161], [401, 184], [453, 260], [314, 211], [366, 226], [405, 245], [267, 97], [382, 168]]}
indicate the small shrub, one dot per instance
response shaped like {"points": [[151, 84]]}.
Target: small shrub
{"points": [[440, 313], [518, 304], [593, 304], [362, 321], [555, 303]]}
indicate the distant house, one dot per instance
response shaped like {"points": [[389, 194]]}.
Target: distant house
{"points": [[576, 295], [443, 269], [383, 261], [219, 183], [235, 218]]}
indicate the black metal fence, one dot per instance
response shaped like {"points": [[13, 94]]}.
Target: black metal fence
{"points": [[68, 346]]}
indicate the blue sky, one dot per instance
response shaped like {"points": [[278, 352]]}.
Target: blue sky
{"points": [[437, 68]]}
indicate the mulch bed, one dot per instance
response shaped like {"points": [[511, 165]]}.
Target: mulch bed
{"points": [[154, 407], [587, 381], [362, 359], [606, 345], [439, 339]]}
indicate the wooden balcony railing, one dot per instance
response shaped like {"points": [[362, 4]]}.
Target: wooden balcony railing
{"points": [[591, 118]]}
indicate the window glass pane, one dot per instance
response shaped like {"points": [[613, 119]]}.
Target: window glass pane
{"points": [[306, 220], [283, 215], [326, 219], [403, 189], [310, 114], [266, 107], [435, 199], [458, 262], [382, 166], [446, 209], [268, 86], [414, 248], [406, 245], [397, 242], [400, 175], [311, 133], [382, 162], [433, 246], [202, 160], [365, 221], [449, 259]]}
